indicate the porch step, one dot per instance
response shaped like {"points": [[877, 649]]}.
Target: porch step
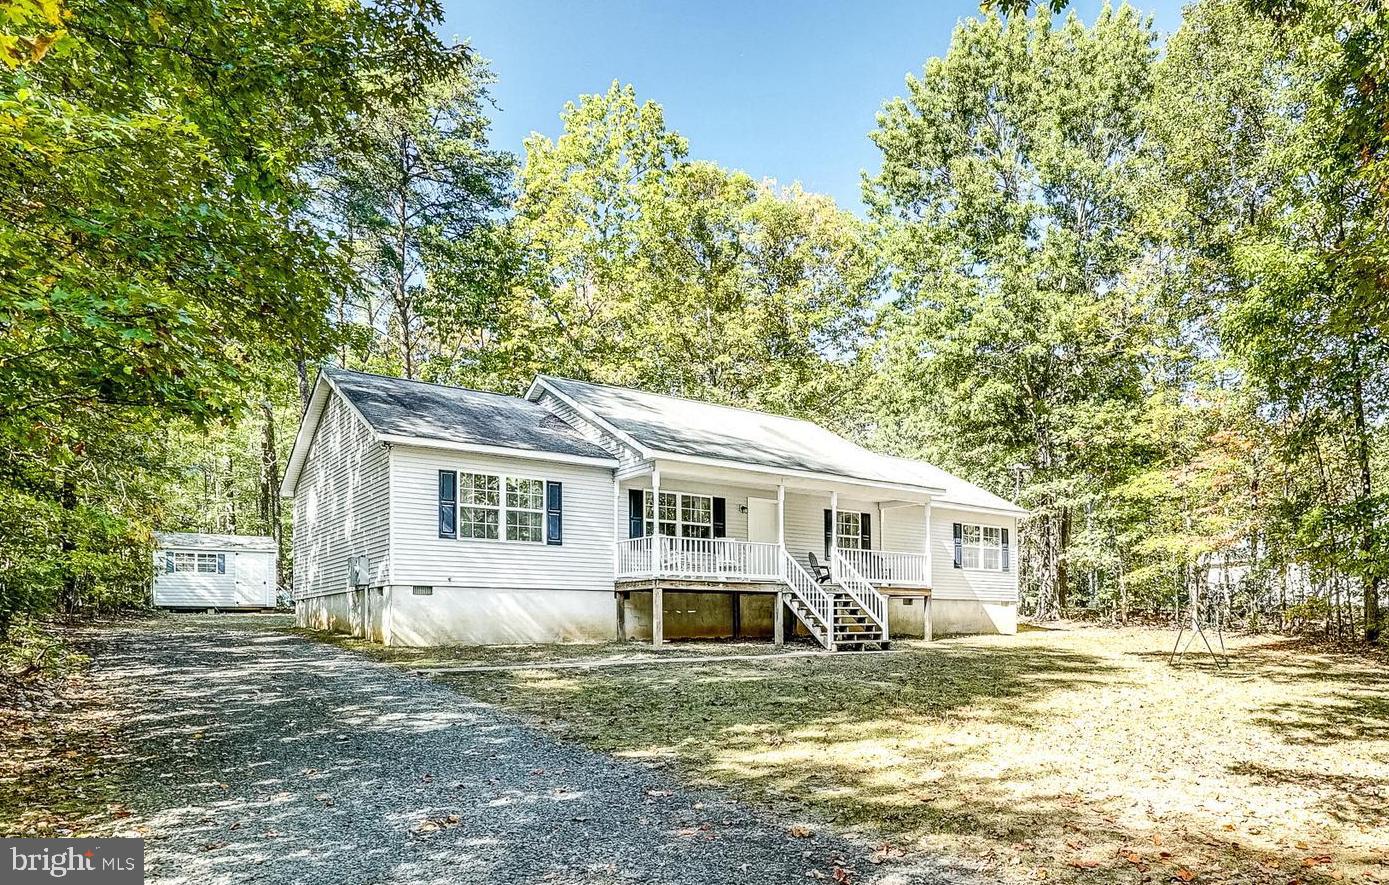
{"points": [[851, 628]]}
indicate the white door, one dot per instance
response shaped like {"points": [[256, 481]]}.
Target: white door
{"points": [[252, 579], [762, 520]]}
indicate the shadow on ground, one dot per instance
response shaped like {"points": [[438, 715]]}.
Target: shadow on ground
{"points": [[261, 756]]}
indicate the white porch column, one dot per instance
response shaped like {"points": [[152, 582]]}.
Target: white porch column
{"points": [[655, 521], [781, 514], [617, 522], [926, 521]]}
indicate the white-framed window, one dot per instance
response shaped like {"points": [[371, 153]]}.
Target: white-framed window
{"points": [[981, 547], [479, 506], [198, 563], [525, 509], [682, 515], [493, 507], [849, 530]]}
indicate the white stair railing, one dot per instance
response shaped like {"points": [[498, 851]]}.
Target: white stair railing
{"points": [[856, 585], [819, 600]]}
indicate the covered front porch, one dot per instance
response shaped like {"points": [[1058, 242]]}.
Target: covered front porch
{"points": [[830, 550]]}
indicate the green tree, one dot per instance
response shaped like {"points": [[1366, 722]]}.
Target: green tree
{"points": [[154, 250], [411, 192], [1011, 202], [644, 268]]}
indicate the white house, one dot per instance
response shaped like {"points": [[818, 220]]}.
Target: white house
{"points": [[214, 571], [426, 514]]}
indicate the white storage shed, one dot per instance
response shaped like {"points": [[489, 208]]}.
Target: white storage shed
{"points": [[214, 571]]}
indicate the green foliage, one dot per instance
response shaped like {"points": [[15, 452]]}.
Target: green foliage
{"points": [[154, 252], [1011, 199], [412, 193], [644, 268]]}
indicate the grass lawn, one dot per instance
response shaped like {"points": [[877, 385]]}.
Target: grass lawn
{"points": [[1063, 755]]}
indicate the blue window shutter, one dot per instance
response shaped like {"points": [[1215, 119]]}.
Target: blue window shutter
{"points": [[829, 530], [636, 521], [959, 546], [720, 518], [866, 529], [1005, 549], [168, 563], [554, 513], [448, 504], [221, 563]]}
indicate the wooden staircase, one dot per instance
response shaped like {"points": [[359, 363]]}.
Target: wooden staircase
{"points": [[833, 614]]}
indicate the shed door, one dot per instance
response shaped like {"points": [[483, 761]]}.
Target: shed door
{"points": [[252, 579]]}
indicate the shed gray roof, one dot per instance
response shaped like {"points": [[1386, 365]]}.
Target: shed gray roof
{"points": [[397, 407], [678, 426], [198, 541]]}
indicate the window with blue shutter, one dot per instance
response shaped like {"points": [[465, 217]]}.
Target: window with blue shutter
{"points": [[448, 504], [554, 513]]}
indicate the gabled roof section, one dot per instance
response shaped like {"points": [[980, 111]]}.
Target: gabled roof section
{"points": [[199, 541], [957, 491], [659, 425], [400, 411]]}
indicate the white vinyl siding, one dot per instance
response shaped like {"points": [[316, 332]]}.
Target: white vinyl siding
{"points": [[979, 585], [582, 562], [341, 505], [196, 581]]}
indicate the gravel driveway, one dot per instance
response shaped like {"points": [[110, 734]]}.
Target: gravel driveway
{"points": [[265, 757]]}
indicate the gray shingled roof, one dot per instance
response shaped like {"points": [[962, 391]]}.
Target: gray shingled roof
{"points": [[397, 407], [678, 426], [199, 541]]}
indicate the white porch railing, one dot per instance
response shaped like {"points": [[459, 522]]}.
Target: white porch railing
{"points": [[857, 586], [713, 559], [633, 558], [880, 567]]}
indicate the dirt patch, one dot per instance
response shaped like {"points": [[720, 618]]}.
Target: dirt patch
{"points": [[59, 751]]}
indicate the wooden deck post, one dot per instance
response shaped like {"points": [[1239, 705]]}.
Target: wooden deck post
{"points": [[929, 630], [658, 615], [737, 615], [621, 616], [779, 621]]}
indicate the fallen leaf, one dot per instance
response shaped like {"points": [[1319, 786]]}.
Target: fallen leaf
{"points": [[799, 831], [1185, 875]]}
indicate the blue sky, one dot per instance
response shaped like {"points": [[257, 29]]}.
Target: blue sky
{"points": [[778, 95]]}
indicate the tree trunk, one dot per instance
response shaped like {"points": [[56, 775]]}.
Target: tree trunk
{"points": [[270, 482], [301, 368], [1366, 523], [231, 496], [402, 303], [68, 600]]}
